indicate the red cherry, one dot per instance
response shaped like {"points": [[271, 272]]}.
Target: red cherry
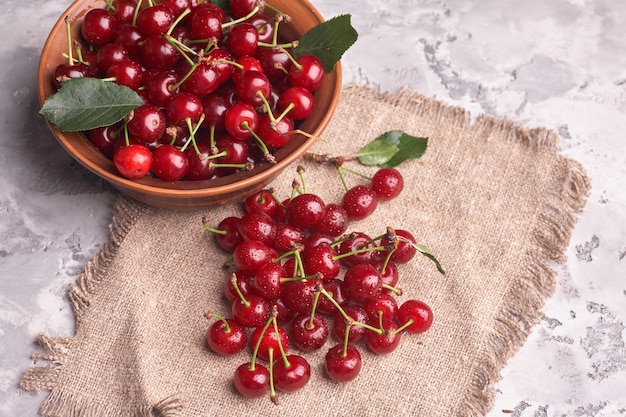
{"points": [[387, 183], [418, 313], [292, 374], [183, 107], [240, 119], [405, 250], [307, 73], [250, 255], [340, 366], [309, 334], [133, 162], [383, 304], [169, 163], [306, 210], [385, 342], [147, 123], [356, 245], [226, 337], [320, 259], [286, 236], [269, 340], [298, 100], [257, 226], [155, 19], [275, 135], [266, 281], [230, 238], [356, 333], [98, 27], [252, 381], [359, 201], [251, 312], [362, 282], [243, 39]]}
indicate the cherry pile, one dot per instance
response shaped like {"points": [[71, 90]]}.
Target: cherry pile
{"points": [[301, 282], [220, 90]]}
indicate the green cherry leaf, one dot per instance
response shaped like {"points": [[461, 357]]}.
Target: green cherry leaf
{"points": [[328, 41], [223, 4], [376, 153], [409, 147], [87, 103], [426, 252]]}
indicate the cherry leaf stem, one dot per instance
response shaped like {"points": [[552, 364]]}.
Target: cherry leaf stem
{"points": [[426, 252]]}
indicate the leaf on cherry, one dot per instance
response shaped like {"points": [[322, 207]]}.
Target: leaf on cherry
{"points": [[223, 4], [426, 252], [379, 151], [87, 103], [376, 152], [328, 41], [410, 147]]}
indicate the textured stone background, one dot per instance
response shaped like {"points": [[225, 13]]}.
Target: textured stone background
{"points": [[559, 64]]}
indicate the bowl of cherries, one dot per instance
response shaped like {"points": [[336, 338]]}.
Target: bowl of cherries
{"points": [[184, 104]]}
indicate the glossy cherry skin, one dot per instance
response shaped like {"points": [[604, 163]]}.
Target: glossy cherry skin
{"points": [[242, 8], [252, 86], [98, 27], [157, 52], [266, 281], [226, 340], [201, 80], [206, 24], [183, 107], [253, 312], [320, 259], [230, 238], [169, 163], [299, 100], [356, 245], [309, 335], [305, 210], [269, 340], [214, 107], [417, 311], [356, 333], [388, 183], [243, 39], [65, 71], [251, 255], [199, 165], [262, 201], [104, 138], [387, 341], [360, 202], [109, 54], [155, 20], [335, 288], [362, 282], [287, 235], [147, 124], [127, 73], [274, 63], [383, 304], [389, 275], [257, 226], [406, 249], [252, 382], [340, 367], [298, 295], [133, 162], [242, 280], [239, 120], [292, 377], [131, 38], [277, 135], [308, 74]]}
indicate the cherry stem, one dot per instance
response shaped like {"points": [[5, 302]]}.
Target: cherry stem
{"points": [[233, 280], [137, 8], [178, 20], [273, 395], [268, 107], [349, 320], [280, 46], [266, 153], [280, 344], [309, 325], [346, 341], [257, 345], [395, 290], [205, 224], [70, 48], [192, 134], [357, 251], [404, 326], [284, 113], [221, 318], [254, 11]]}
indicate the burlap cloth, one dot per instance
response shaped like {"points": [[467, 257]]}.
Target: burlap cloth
{"points": [[495, 202]]}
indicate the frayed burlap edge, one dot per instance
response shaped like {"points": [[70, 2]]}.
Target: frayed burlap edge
{"points": [[522, 304], [60, 403], [520, 309]]}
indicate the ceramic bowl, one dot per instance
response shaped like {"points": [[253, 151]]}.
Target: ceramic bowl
{"points": [[192, 195]]}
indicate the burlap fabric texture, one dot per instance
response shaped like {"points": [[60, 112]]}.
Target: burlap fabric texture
{"points": [[494, 201]]}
